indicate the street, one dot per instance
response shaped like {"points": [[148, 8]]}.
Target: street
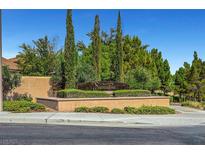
{"points": [[28, 134]]}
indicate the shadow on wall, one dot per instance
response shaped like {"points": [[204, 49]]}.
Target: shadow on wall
{"points": [[34, 86]]}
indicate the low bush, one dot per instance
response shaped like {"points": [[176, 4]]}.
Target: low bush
{"points": [[82, 109], [149, 110], [131, 93], [196, 105], [100, 109], [75, 93], [130, 110], [23, 106], [21, 97], [117, 111]]}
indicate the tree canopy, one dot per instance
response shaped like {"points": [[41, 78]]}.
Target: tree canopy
{"points": [[111, 56]]}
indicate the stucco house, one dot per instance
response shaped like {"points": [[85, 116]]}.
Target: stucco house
{"points": [[34, 86]]}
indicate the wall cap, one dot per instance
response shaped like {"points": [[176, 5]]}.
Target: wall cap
{"points": [[102, 98]]}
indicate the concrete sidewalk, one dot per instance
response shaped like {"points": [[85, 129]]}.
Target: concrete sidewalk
{"points": [[186, 117]]}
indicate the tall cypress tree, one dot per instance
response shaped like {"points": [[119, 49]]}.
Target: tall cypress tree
{"points": [[96, 42], [70, 53], [119, 52]]}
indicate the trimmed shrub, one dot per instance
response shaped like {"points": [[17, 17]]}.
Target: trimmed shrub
{"points": [[75, 93], [82, 109], [131, 93], [149, 110], [117, 111], [130, 110], [196, 105], [100, 109], [155, 110], [23, 106]]}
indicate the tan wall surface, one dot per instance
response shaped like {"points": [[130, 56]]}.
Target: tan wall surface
{"points": [[34, 86], [70, 105]]}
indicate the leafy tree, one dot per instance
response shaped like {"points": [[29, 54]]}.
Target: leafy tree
{"points": [[105, 63], [85, 71], [58, 77], [140, 78], [10, 81], [153, 84], [119, 52], [70, 54], [38, 60]]}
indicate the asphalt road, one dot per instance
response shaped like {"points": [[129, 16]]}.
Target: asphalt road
{"points": [[28, 134]]}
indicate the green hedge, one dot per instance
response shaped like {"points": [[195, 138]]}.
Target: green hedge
{"points": [[131, 93], [23, 106], [100, 109], [75, 93], [149, 110], [129, 110], [196, 105]]}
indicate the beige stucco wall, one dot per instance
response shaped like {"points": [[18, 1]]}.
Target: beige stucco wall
{"points": [[69, 105], [34, 86]]}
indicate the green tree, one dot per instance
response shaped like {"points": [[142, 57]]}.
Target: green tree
{"points": [[181, 83], [196, 79], [70, 54], [96, 44], [158, 63], [119, 52], [58, 77], [38, 60], [141, 78], [10, 81], [85, 71], [166, 78], [105, 63]]}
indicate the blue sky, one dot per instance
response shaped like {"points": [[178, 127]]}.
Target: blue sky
{"points": [[177, 33]]}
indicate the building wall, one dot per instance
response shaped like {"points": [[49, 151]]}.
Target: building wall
{"points": [[34, 86], [69, 105]]}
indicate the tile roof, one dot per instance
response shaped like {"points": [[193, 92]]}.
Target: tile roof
{"points": [[11, 63]]}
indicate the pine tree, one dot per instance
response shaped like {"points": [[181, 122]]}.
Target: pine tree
{"points": [[70, 53], [181, 82], [119, 52], [166, 78], [196, 80], [96, 43]]}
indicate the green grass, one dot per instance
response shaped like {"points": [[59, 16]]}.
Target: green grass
{"points": [[75, 93], [131, 93], [23, 106], [197, 105]]}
